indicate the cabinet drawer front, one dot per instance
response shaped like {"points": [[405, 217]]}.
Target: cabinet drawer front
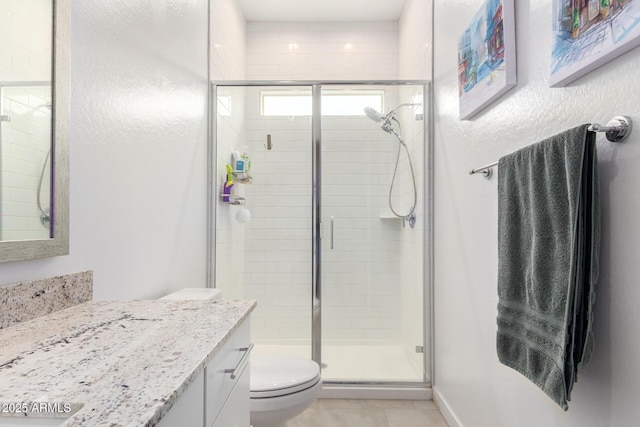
{"points": [[236, 409], [188, 411], [224, 371]]}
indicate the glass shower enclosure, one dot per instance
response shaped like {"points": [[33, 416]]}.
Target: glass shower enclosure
{"points": [[319, 211]]}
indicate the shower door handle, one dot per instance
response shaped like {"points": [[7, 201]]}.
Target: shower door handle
{"points": [[331, 232]]}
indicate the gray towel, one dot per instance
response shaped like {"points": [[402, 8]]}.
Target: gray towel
{"points": [[548, 240]]}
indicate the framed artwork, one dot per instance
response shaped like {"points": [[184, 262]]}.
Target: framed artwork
{"points": [[590, 33], [486, 57]]}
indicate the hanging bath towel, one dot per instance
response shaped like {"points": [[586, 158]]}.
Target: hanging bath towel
{"points": [[548, 242]]}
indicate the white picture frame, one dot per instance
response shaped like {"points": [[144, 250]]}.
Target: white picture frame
{"points": [[589, 33]]}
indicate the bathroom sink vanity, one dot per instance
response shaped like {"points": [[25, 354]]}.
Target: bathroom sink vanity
{"points": [[129, 363]]}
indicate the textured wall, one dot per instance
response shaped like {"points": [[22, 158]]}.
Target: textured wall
{"points": [[477, 389], [138, 149]]}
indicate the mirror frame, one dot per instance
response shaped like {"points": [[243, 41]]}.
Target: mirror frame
{"points": [[58, 244]]}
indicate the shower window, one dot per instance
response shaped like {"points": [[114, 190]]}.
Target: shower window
{"points": [[339, 102]]}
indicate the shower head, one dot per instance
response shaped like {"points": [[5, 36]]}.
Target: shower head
{"points": [[373, 114]]}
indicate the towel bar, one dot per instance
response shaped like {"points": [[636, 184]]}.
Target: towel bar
{"points": [[617, 130]]}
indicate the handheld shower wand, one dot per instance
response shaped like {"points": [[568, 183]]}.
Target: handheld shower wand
{"points": [[387, 126]]}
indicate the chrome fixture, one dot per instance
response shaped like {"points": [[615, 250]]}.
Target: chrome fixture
{"points": [[45, 213], [387, 124], [617, 130]]}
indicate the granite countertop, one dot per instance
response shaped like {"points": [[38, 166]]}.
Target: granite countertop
{"points": [[117, 363]]}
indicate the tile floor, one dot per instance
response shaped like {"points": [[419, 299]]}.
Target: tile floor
{"points": [[370, 413]]}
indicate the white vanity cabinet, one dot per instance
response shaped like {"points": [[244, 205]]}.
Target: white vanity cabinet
{"points": [[218, 397], [189, 408], [226, 393]]}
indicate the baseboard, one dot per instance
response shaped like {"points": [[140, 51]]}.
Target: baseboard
{"points": [[376, 393], [445, 409]]}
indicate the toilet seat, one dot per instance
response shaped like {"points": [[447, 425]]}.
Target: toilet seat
{"points": [[274, 375]]}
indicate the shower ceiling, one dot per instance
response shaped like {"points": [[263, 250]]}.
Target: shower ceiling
{"points": [[321, 10]]}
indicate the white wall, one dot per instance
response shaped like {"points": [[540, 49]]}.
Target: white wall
{"points": [[322, 51], [415, 46], [227, 41], [477, 389], [138, 149]]}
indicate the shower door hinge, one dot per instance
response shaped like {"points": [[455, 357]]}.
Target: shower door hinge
{"points": [[5, 118], [419, 349]]}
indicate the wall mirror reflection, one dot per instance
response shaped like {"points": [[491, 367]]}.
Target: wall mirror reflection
{"points": [[26, 119], [34, 55]]}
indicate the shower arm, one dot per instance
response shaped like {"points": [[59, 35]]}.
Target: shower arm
{"points": [[406, 104]]}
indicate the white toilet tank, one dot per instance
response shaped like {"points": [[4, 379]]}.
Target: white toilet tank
{"points": [[194, 293]]}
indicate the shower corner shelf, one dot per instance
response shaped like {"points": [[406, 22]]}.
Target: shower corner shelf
{"points": [[233, 200], [246, 180]]}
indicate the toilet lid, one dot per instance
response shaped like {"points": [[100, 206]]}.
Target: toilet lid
{"points": [[278, 374]]}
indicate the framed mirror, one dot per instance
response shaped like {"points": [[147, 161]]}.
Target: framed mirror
{"points": [[34, 117]]}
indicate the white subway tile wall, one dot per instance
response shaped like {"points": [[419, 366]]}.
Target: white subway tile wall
{"points": [[361, 274], [322, 51], [230, 234], [25, 52], [278, 240]]}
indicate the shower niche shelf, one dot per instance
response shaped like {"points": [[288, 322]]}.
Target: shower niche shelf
{"points": [[388, 215]]}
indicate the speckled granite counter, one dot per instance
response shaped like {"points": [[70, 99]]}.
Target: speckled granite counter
{"points": [[120, 363]]}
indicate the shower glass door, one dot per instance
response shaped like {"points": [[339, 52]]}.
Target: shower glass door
{"points": [[312, 235], [372, 284]]}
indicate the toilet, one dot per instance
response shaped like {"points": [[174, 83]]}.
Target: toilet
{"points": [[282, 386]]}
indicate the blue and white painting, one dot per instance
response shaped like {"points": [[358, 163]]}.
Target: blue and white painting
{"points": [[589, 33], [486, 57]]}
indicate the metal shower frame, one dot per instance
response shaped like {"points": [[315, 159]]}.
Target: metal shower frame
{"points": [[427, 273]]}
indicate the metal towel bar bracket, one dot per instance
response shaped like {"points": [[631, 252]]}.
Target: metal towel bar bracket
{"points": [[617, 130]]}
